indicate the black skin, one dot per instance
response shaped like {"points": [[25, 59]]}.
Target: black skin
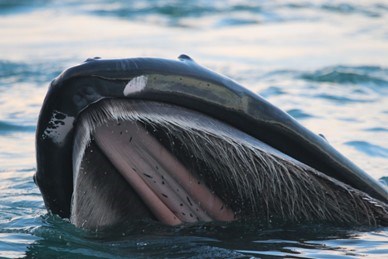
{"points": [[184, 83]]}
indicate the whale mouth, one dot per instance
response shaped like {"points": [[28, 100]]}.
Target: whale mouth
{"points": [[172, 192], [137, 159], [128, 144]]}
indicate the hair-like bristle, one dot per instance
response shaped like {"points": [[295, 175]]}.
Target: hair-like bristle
{"points": [[272, 185]]}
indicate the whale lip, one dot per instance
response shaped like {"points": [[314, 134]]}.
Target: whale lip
{"points": [[183, 83]]}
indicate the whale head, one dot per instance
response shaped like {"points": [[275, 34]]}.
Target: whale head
{"points": [[172, 141]]}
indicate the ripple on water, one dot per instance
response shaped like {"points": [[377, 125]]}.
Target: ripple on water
{"points": [[299, 114], [8, 128], [236, 21], [270, 11], [14, 245], [150, 239], [347, 8], [272, 91], [368, 148], [371, 75], [377, 129], [340, 99], [16, 72]]}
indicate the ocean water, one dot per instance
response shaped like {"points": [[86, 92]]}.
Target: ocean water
{"points": [[324, 62]]}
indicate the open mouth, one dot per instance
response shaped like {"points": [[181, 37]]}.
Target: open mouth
{"points": [[146, 138], [179, 165], [128, 135], [144, 159]]}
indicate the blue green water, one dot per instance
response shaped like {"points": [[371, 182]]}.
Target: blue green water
{"points": [[324, 62]]}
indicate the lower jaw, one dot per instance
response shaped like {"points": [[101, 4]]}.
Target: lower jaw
{"points": [[136, 160]]}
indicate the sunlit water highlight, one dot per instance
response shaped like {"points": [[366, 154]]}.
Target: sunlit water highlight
{"points": [[324, 62]]}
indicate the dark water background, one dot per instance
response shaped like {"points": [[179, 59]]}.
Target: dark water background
{"points": [[324, 62]]}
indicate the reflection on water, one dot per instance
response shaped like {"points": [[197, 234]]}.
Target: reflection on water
{"points": [[234, 240], [324, 62]]}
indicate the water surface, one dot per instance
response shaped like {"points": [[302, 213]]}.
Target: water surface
{"points": [[325, 63]]}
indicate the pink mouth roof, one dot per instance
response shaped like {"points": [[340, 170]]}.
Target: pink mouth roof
{"points": [[170, 191]]}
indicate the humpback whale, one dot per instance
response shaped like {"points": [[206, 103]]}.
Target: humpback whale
{"points": [[172, 141]]}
